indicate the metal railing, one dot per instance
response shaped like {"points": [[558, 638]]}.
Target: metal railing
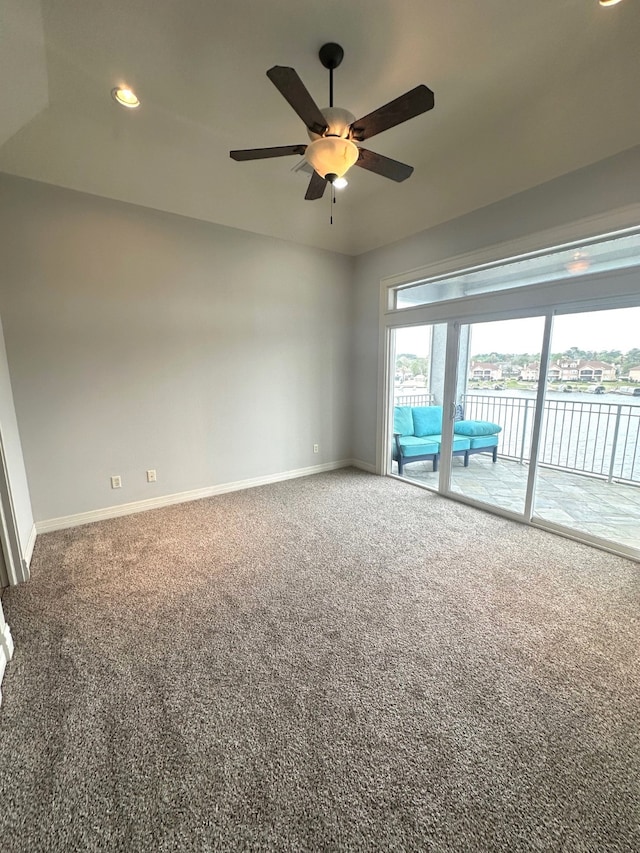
{"points": [[413, 399], [600, 439]]}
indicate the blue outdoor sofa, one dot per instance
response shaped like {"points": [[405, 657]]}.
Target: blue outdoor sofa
{"points": [[417, 434]]}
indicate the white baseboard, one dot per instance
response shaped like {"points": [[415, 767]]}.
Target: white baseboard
{"points": [[364, 466], [6, 653], [76, 520], [6, 642], [3, 665], [28, 551]]}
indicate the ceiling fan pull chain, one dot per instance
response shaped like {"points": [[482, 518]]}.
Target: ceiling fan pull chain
{"points": [[332, 201]]}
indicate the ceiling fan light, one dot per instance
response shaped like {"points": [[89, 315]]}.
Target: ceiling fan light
{"points": [[340, 183], [332, 155], [609, 2]]}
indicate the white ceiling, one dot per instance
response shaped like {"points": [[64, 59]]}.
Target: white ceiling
{"points": [[525, 91]]}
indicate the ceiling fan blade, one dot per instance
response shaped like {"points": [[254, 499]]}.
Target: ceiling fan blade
{"points": [[409, 105], [293, 90], [263, 153], [384, 166], [316, 188]]}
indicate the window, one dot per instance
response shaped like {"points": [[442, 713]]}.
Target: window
{"points": [[618, 251]]}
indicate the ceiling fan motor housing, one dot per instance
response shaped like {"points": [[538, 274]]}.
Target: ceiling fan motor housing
{"points": [[338, 121]]}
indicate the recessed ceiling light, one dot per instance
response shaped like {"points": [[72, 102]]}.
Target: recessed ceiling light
{"points": [[578, 263], [609, 2], [125, 97]]}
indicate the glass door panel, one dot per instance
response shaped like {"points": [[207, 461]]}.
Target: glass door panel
{"points": [[419, 355], [498, 371], [589, 458]]}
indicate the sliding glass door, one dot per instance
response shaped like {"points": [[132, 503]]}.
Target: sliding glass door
{"points": [[496, 394], [588, 477], [419, 356], [535, 417]]}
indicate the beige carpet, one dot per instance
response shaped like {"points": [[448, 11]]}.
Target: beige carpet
{"points": [[339, 663]]}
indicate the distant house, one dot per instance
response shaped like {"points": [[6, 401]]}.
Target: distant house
{"points": [[634, 373], [596, 371], [579, 370], [530, 372], [564, 370], [484, 370], [554, 373]]}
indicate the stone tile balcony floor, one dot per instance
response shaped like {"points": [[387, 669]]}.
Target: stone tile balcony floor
{"points": [[607, 510]]}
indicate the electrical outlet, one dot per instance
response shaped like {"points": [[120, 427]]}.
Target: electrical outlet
{"points": [[116, 481], [316, 448], [151, 475]]}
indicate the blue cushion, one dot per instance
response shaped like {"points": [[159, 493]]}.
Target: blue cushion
{"points": [[403, 420], [458, 442], [461, 443], [412, 446], [427, 420], [476, 428], [484, 441]]}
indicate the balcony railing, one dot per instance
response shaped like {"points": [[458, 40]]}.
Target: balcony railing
{"points": [[413, 398], [598, 439]]}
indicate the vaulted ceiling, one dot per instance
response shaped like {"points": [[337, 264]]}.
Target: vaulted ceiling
{"points": [[524, 92]]}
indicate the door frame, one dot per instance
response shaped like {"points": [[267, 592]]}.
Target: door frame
{"points": [[13, 568]]}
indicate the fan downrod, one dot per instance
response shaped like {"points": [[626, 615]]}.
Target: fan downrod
{"points": [[331, 55]]}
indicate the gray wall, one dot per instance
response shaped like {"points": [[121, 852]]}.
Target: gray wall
{"points": [[138, 339], [610, 184]]}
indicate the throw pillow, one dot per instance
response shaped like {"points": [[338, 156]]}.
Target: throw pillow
{"points": [[476, 428], [403, 420]]}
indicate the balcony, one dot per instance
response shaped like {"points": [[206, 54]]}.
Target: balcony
{"points": [[588, 470]]}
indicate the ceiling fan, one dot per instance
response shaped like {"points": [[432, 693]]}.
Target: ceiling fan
{"points": [[335, 132]]}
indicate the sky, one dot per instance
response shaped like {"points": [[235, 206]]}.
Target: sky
{"points": [[597, 330]]}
